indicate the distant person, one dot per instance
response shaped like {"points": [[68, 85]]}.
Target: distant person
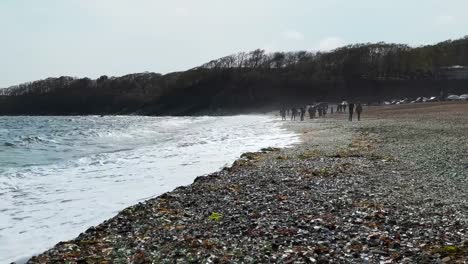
{"points": [[283, 114], [359, 111], [351, 111], [311, 111], [293, 113], [331, 110], [302, 113]]}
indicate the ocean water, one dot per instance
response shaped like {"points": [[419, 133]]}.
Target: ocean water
{"points": [[61, 175]]}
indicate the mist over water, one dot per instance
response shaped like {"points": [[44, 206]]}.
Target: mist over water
{"points": [[61, 175]]}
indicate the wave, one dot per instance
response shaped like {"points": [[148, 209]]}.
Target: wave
{"points": [[37, 139], [28, 140], [67, 175]]}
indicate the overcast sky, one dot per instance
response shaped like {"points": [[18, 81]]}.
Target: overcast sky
{"points": [[51, 38]]}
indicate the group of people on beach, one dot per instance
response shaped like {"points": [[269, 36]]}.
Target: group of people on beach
{"points": [[313, 110], [321, 110]]}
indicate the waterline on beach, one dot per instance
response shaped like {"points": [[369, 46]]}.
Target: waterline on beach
{"points": [[61, 175]]}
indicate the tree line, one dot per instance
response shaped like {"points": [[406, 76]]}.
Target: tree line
{"points": [[364, 61], [250, 80]]}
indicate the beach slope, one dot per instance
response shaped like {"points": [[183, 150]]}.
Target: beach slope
{"points": [[391, 188]]}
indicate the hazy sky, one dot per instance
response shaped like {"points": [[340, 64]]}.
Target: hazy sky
{"points": [[50, 38]]}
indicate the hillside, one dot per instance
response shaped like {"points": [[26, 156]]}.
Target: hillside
{"points": [[254, 80]]}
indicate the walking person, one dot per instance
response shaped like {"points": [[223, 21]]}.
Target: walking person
{"points": [[293, 113], [311, 111], [283, 114], [351, 111], [359, 111], [302, 113]]}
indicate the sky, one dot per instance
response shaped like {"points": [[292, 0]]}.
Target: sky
{"points": [[90, 38]]}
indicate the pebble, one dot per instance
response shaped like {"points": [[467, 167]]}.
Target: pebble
{"points": [[319, 203]]}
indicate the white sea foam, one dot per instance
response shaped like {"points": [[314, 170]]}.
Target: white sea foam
{"points": [[61, 175]]}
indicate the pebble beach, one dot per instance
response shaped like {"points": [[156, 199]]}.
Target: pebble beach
{"points": [[392, 188]]}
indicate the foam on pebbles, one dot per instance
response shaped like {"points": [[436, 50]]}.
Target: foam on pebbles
{"points": [[379, 191]]}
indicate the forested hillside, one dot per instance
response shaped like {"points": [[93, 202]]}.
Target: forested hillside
{"points": [[248, 81]]}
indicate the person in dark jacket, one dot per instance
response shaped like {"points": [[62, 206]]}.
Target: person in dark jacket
{"points": [[359, 111], [311, 111], [302, 113], [283, 113], [351, 111], [293, 113]]}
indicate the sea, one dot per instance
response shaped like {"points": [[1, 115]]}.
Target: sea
{"points": [[61, 175]]}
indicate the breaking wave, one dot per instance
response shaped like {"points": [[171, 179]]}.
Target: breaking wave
{"points": [[60, 175]]}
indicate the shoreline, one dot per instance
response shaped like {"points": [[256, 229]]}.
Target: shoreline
{"points": [[218, 153], [342, 195]]}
